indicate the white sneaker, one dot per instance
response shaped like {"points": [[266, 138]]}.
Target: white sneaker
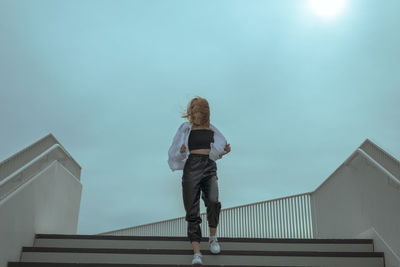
{"points": [[197, 259], [214, 246]]}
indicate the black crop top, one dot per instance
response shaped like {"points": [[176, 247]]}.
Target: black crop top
{"points": [[200, 138]]}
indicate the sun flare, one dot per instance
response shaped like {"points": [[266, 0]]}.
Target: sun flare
{"points": [[327, 8]]}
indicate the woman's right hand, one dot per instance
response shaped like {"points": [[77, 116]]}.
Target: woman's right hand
{"points": [[183, 148]]}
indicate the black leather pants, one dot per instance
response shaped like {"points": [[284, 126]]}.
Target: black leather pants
{"points": [[200, 174]]}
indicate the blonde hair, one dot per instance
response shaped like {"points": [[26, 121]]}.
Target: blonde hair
{"points": [[203, 119]]}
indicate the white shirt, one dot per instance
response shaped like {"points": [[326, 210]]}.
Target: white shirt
{"points": [[176, 159]]}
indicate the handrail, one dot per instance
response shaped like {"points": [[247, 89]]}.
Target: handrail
{"points": [[387, 161], [235, 207], [26, 155], [378, 165], [276, 218], [42, 161], [383, 158]]}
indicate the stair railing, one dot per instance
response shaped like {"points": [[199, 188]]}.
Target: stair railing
{"points": [[286, 217]]}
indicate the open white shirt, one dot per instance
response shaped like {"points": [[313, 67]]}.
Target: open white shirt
{"points": [[176, 159]]}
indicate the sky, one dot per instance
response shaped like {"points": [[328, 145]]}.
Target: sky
{"points": [[294, 93]]}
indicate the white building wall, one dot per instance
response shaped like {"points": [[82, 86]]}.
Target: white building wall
{"points": [[360, 200], [47, 203]]}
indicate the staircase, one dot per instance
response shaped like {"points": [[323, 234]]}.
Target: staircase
{"points": [[50, 250]]}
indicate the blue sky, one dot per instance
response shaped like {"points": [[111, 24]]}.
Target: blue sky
{"points": [[294, 93]]}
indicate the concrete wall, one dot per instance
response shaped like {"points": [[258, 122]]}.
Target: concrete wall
{"points": [[48, 203], [360, 199]]}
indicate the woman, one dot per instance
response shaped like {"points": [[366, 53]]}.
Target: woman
{"points": [[195, 148]]}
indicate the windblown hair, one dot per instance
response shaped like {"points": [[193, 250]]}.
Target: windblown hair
{"points": [[202, 106]]}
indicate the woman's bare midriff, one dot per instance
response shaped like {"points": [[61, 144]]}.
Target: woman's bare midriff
{"points": [[204, 151]]}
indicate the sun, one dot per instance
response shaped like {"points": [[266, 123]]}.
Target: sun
{"points": [[327, 8]]}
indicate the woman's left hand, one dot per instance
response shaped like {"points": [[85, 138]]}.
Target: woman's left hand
{"points": [[227, 150]]}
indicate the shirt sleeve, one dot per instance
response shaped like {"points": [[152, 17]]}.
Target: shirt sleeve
{"points": [[174, 153]]}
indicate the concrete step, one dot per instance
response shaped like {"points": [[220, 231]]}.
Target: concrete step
{"points": [[242, 244], [184, 256], [50, 264]]}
